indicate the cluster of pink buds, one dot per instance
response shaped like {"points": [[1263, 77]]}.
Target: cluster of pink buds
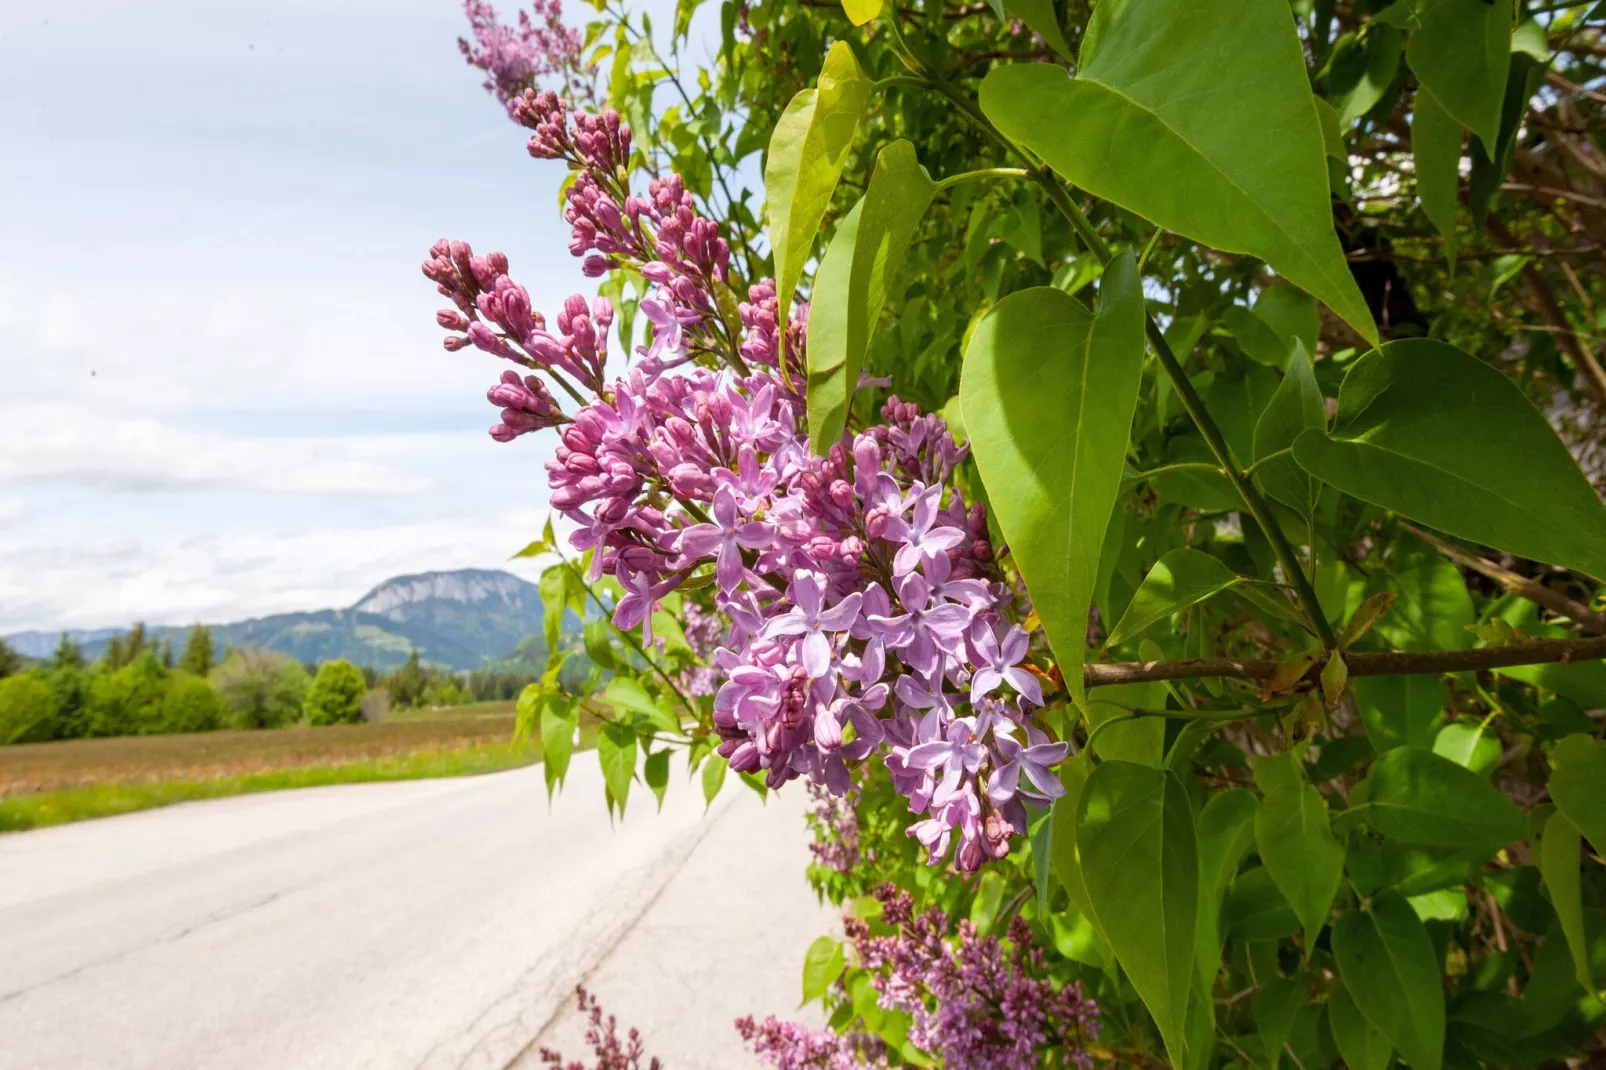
{"points": [[865, 614], [514, 58]]}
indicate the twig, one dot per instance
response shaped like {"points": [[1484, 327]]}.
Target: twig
{"points": [[1517, 584], [1422, 663]]}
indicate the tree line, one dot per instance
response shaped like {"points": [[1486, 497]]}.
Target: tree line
{"points": [[139, 687]]}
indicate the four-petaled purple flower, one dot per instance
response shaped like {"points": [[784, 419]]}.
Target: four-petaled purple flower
{"points": [[724, 539], [1001, 663], [811, 620], [919, 537]]}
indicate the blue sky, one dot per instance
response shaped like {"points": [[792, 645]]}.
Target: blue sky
{"points": [[224, 388]]}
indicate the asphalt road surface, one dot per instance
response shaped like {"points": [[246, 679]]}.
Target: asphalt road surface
{"points": [[438, 923]]}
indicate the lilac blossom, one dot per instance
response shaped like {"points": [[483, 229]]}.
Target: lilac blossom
{"points": [[862, 611], [514, 58]]}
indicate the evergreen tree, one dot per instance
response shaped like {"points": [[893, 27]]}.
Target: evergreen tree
{"points": [[167, 653], [10, 660], [199, 658], [68, 655]]}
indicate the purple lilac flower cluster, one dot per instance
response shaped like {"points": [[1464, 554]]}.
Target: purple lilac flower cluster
{"points": [[602, 1034], [514, 58], [795, 1046], [836, 845], [704, 631], [976, 1001], [866, 611]]}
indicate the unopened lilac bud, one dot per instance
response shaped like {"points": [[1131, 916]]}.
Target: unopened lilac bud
{"points": [[875, 523], [822, 548], [851, 549], [594, 266], [654, 272], [982, 550], [504, 433], [841, 494], [996, 836], [827, 730], [451, 319], [454, 342]]}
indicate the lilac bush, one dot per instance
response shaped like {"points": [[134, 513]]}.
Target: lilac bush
{"points": [[865, 611], [611, 1052]]}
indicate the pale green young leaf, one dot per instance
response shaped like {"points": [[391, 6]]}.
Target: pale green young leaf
{"points": [[806, 154], [1255, 337], [1418, 797], [1560, 855], [1040, 359], [851, 285], [626, 695], [860, 12], [1296, 843], [1171, 141], [1295, 407], [1578, 785], [1436, 153], [1468, 744], [1140, 862], [1390, 970], [1438, 436], [655, 771], [1129, 739], [1434, 607], [822, 965], [1460, 52], [1291, 312], [1362, 1045], [1178, 580], [1362, 68], [1073, 774], [557, 744], [554, 595], [713, 777], [1040, 17]]}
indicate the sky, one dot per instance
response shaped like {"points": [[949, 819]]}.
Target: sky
{"points": [[224, 393]]}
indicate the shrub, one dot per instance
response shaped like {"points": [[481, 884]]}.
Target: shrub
{"points": [[336, 694], [25, 709], [190, 705], [260, 689], [70, 690]]}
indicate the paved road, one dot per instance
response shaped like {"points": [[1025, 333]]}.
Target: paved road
{"points": [[428, 924]]}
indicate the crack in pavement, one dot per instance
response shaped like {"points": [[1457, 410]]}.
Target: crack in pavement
{"points": [[225, 914]]}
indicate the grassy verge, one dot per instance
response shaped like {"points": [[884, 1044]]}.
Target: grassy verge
{"points": [[39, 809]]}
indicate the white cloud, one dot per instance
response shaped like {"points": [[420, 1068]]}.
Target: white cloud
{"points": [[229, 577], [11, 511], [53, 442]]}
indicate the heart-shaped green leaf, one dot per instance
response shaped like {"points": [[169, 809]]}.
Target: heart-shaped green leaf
{"points": [[1560, 855], [1460, 50], [1389, 968], [1578, 785], [1140, 863], [1296, 407], [1418, 797], [1225, 148], [806, 154], [1436, 435], [1178, 580], [1040, 359], [1295, 839], [1362, 1046], [1436, 152], [851, 285]]}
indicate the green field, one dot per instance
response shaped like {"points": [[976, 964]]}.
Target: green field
{"points": [[54, 783]]}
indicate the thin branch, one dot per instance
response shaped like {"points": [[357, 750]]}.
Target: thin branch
{"points": [[1424, 663], [1516, 583]]}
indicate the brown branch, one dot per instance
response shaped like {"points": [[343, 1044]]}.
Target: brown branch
{"points": [[1593, 374], [1424, 663], [1516, 583]]}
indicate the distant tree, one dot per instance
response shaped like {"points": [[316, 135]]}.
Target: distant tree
{"points": [[167, 653], [336, 694], [199, 658], [190, 705], [128, 701], [25, 709], [68, 655], [406, 685], [71, 685], [123, 649], [10, 660], [260, 689]]}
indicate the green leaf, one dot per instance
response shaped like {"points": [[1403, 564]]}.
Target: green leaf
{"points": [[1178, 580], [1133, 739], [713, 777], [1226, 832], [554, 595], [1467, 744], [1040, 360], [1560, 854], [1255, 337], [1436, 152], [1291, 312], [1417, 797], [1073, 772], [1332, 135], [851, 285], [1295, 839], [1042, 841], [1492, 162], [822, 965], [626, 695], [1041, 19], [1436, 435], [860, 12], [1293, 409], [1255, 909], [1275, 1005], [1171, 140], [1390, 970], [1140, 861], [616, 751], [1362, 1046], [557, 744], [656, 772], [599, 642], [1399, 711], [1434, 608], [1460, 52], [1578, 785], [1362, 68], [806, 154]]}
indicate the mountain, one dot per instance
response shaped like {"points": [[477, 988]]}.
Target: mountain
{"points": [[457, 620]]}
